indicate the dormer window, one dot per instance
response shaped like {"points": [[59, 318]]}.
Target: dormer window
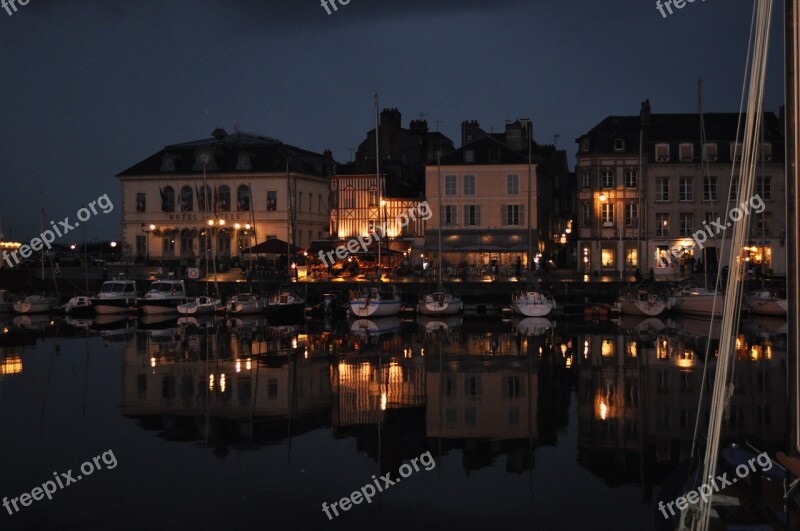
{"points": [[619, 144], [244, 162], [168, 163], [686, 152], [662, 152], [585, 145], [710, 152], [469, 155], [205, 160]]}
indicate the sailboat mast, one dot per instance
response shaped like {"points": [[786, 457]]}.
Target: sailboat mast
{"points": [[380, 186], [792, 58], [439, 209]]}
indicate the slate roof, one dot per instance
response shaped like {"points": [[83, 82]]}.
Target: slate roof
{"points": [[266, 155], [674, 129]]}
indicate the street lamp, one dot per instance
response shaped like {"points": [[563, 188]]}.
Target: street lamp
{"points": [[147, 229]]}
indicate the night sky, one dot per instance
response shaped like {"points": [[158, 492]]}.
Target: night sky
{"points": [[91, 87]]}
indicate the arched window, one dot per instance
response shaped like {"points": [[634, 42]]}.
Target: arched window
{"points": [[186, 199], [243, 199], [224, 199], [167, 199]]}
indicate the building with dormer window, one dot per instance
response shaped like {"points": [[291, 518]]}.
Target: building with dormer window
{"points": [[648, 183], [223, 194]]}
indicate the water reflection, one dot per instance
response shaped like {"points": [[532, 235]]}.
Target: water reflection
{"points": [[491, 393]]}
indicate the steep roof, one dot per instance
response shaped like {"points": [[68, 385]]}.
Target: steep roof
{"points": [[239, 152]]}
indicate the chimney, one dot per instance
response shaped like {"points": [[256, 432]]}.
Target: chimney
{"points": [[517, 134], [470, 131], [391, 119], [644, 113], [419, 125]]}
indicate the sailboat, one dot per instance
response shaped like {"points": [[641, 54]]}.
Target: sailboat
{"points": [[640, 300], [440, 302], [204, 304], [376, 300], [690, 299]]}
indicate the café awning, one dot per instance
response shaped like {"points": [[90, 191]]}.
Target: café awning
{"points": [[515, 240]]}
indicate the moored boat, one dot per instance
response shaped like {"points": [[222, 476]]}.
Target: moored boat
{"points": [[34, 304], [115, 297], [698, 301], [163, 297], [439, 303], [376, 301], [532, 304], [641, 301], [766, 302], [199, 306], [285, 305], [245, 304], [80, 305]]}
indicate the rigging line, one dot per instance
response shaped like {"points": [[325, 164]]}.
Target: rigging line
{"points": [[734, 285]]}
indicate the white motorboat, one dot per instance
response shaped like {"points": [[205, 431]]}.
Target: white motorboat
{"points": [[34, 304], [376, 301], [199, 306], [246, 304], [641, 302], [439, 303], [766, 302], [115, 297], [163, 297], [532, 304], [699, 301]]}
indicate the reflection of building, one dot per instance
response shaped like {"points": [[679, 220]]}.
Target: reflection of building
{"points": [[364, 390], [166, 208], [473, 399], [170, 379], [643, 215], [489, 194], [639, 396]]}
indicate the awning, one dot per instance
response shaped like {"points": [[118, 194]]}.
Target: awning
{"points": [[515, 240]]}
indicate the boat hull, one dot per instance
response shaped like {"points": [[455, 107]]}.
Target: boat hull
{"points": [[532, 304], [114, 306], [642, 308], [366, 307], [439, 303], [697, 305], [768, 306]]}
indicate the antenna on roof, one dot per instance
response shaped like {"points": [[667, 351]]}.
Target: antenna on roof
{"points": [[555, 140]]}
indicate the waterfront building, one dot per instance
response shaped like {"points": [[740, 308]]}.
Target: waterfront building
{"points": [[647, 184], [223, 194], [502, 196]]}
